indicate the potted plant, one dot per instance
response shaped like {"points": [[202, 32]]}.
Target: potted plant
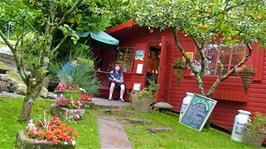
{"points": [[179, 69], [68, 108], [47, 135], [142, 100], [246, 74], [255, 130]]}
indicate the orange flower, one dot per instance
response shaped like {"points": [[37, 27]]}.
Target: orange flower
{"points": [[42, 133], [76, 134], [53, 118], [58, 121], [63, 129], [49, 137], [70, 129]]}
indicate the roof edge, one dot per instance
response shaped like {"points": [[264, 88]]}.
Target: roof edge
{"points": [[121, 26]]}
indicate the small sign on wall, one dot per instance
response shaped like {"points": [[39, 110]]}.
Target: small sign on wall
{"points": [[136, 87], [139, 68], [139, 55], [190, 55]]}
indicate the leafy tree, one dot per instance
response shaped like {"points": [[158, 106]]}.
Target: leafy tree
{"points": [[36, 26], [206, 21]]}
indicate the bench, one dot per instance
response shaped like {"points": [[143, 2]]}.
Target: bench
{"points": [[104, 86]]}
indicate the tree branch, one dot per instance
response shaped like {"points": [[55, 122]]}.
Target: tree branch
{"points": [[75, 5], [225, 76], [189, 62], [203, 58], [59, 44], [15, 55]]}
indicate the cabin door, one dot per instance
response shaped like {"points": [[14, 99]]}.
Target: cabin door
{"points": [[153, 63], [163, 71]]}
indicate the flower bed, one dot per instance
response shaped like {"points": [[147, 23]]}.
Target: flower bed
{"points": [[68, 108], [66, 113], [51, 134]]}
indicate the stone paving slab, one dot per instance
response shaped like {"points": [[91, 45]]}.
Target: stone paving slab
{"points": [[101, 102], [112, 134], [4, 93]]}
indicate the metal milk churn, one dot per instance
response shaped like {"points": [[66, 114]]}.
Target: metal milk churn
{"points": [[185, 104], [241, 120]]}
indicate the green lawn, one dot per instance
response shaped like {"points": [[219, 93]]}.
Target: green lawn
{"points": [[179, 137], [9, 124]]}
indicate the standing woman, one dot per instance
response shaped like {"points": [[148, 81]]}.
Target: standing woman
{"points": [[116, 79]]}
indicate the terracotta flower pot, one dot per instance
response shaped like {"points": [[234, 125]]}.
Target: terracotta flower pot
{"points": [[246, 79], [179, 74]]}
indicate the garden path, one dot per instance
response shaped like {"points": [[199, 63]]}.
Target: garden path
{"points": [[112, 134], [10, 94], [104, 103]]}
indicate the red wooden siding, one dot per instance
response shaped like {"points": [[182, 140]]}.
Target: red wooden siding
{"points": [[230, 94]]}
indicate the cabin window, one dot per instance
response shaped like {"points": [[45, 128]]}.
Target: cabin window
{"points": [[125, 58], [219, 56]]}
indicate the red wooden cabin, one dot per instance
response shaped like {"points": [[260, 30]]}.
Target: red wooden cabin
{"points": [[160, 52]]}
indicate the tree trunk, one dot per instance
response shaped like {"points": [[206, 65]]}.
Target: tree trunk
{"points": [[31, 95], [26, 109]]}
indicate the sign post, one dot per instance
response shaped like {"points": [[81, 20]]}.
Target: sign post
{"points": [[198, 112]]}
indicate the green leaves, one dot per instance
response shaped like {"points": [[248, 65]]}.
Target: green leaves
{"points": [[67, 31], [205, 19]]}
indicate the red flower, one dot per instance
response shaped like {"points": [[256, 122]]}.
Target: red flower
{"points": [[54, 142], [52, 127], [68, 139]]}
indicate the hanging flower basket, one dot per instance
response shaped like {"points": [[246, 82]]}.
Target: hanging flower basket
{"points": [[246, 79], [246, 74], [179, 74], [179, 69]]}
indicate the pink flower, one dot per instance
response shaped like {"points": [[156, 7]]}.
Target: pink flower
{"points": [[76, 117], [31, 127], [61, 101], [61, 87]]}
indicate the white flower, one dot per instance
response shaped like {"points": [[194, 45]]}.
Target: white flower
{"points": [[73, 142]]}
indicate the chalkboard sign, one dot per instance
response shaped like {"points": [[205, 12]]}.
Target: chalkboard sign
{"points": [[198, 112]]}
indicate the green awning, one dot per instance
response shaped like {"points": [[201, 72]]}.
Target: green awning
{"points": [[99, 36]]}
